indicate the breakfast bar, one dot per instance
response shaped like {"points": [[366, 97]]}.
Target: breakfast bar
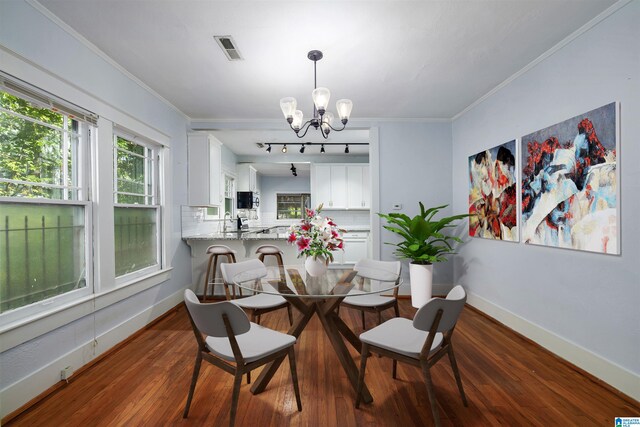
{"points": [[244, 242]]}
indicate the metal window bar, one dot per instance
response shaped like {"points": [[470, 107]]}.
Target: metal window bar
{"points": [[32, 284]]}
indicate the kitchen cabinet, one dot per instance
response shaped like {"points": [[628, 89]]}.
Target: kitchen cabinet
{"points": [[204, 153], [328, 186], [341, 186], [355, 248], [247, 177], [358, 188]]}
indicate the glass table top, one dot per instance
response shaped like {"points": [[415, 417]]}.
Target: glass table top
{"points": [[294, 281]]}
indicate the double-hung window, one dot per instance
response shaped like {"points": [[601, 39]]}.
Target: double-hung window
{"points": [[137, 206], [45, 212]]}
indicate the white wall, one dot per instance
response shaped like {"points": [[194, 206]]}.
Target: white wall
{"points": [[270, 186], [41, 48], [583, 306], [415, 166]]}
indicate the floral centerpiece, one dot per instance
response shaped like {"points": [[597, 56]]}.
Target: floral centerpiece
{"points": [[316, 237]]}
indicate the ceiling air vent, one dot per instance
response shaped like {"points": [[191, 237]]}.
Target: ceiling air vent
{"points": [[229, 48]]}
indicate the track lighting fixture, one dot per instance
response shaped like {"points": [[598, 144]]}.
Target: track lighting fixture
{"points": [[304, 145]]}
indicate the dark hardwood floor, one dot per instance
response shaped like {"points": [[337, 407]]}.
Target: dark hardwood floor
{"points": [[508, 380]]}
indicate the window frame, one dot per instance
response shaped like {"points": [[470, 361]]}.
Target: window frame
{"points": [[156, 195], [82, 185], [291, 193]]}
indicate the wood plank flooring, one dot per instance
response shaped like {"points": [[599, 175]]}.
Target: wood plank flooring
{"points": [[508, 381]]}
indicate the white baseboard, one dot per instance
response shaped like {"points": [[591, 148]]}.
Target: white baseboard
{"points": [[616, 376], [20, 392]]}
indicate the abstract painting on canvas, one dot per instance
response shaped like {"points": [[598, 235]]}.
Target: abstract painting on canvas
{"points": [[570, 183], [492, 193]]}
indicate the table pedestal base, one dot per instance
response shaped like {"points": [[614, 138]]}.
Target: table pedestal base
{"points": [[334, 327]]}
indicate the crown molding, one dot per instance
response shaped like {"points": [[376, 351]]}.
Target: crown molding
{"points": [[279, 122], [95, 49], [571, 37]]}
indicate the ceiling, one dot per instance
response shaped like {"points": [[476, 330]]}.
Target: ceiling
{"points": [[394, 59]]}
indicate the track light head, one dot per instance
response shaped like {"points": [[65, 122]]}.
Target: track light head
{"points": [[269, 148], [322, 148], [346, 149], [302, 148], [284, 148]]}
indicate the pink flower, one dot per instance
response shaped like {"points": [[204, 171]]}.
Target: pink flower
{"points": [[340, 245], [331, 223], [303, 243], [305, 227], [310, 213], [334, 234], [292, 238]]}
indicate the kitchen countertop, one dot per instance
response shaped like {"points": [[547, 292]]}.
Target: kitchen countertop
{"points": [[260, 233]]}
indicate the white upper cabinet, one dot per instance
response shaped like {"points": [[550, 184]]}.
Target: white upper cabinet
{"points": [[358, 188], [341, 186], [247, 177], [205, 170]]}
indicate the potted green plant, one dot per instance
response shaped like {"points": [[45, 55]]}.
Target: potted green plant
{"points": [[424, 243]]}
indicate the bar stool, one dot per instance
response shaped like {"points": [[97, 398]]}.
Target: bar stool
{"points": [[266, 250], [214, 252]]}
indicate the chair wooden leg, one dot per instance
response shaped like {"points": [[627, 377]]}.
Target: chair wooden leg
{"points": [[249, 377], [214, 273], [379, 317], [194, 379], [456, 373], [237, 380], [396, 309], [206, 278], [363, 365], [294, 376], [290, 313], [394, 370], [258, 319], [432, 394], [362, 313]]}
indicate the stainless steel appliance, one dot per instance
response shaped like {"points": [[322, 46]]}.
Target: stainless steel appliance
{"points": [[247, 200]]}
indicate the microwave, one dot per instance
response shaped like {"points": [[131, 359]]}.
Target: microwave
{"points": [[247, 200]]}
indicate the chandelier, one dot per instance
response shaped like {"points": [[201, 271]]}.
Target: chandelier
{"points": [[322, 119]]}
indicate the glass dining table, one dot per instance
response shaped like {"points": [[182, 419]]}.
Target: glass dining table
{"points": [[319, 296]]}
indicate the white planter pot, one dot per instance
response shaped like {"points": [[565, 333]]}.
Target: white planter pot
{"points": [[316, 267], [421, 283]]}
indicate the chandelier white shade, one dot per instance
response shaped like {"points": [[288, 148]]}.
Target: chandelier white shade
{"points": [[322, 119]]}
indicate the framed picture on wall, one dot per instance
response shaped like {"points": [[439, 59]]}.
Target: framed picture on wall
{"points": [[570, 183], [492, 193]]}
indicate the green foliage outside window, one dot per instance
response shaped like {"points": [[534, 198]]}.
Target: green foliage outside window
{"points": [[33, 152]]}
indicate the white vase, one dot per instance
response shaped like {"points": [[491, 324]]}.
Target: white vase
{"points": [[421, 283], [316, 267]]}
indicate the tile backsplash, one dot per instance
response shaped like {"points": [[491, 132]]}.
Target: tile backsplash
{"points": [[194, 223]]}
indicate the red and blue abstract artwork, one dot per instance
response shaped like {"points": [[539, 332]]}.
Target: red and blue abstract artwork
{"points": [[569, 183], [492, 193]]}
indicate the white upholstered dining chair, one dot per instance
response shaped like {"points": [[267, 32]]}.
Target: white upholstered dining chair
{"points": [[374, 303], [224, 334], [257, 304], [420, 342]]}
